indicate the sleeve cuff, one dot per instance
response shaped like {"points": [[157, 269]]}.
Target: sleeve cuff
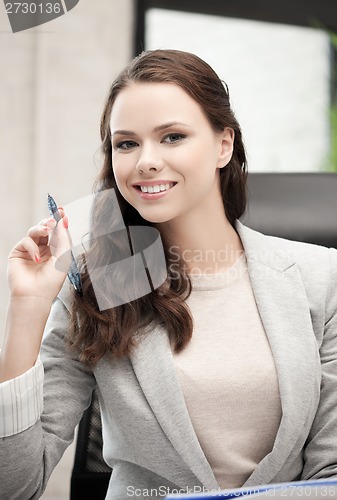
{"points": [[21, 401]]}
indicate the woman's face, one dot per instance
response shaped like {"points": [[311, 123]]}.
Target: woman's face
{"points": [[166, 157]]}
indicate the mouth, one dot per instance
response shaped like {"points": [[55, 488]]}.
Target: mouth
{"points": [[156, 188]]}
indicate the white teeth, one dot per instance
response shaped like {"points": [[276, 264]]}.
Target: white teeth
{"points": [[157, 188]]}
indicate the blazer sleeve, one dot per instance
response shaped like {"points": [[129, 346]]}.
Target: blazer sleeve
{"points": [[28, 458], [320, 453]]}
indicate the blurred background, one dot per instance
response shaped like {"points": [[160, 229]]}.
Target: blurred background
{"points": [[278, 59]]}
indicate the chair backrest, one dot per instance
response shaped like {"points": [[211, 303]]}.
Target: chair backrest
{"points": [[301, 207], [90, 475]]}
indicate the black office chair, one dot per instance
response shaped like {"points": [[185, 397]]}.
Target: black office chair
{"points": [[90, 475], [301, 207]]}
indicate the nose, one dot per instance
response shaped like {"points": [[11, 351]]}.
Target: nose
{"points": [[149, 161]]}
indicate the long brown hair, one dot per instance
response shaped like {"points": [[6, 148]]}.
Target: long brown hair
{"points": [[113, 331]]}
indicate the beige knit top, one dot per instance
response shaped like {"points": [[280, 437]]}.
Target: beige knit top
{"points": [[228, 377]]}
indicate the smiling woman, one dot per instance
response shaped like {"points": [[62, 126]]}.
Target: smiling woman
{"points": [[224, 374], [161, 96]]}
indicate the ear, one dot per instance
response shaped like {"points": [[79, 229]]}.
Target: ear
{"points": [[226, 146]]}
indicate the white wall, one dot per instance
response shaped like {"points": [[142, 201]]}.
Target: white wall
{"points": [[54, 80]]}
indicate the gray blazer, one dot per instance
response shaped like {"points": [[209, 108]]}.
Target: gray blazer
{"points": [[149, 439]]}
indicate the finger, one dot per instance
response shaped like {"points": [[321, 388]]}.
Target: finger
{"points": [[59, 239], [26, 248], [40, 234], [36, 236], [42, 228], [51, 222]]}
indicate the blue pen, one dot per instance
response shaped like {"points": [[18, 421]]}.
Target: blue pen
{"points": [[73, 272]]}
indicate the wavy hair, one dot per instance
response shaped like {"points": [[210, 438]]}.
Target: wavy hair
{"points": [[114, 332]]}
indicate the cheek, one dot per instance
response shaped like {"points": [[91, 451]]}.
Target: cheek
{"points": [[122, 176], [199, 166], [197, 155], [120, 170]]}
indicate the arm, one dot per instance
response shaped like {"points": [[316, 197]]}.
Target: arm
{"points": [[320, 454], [34, 282], [31, 446], [28, 458]]}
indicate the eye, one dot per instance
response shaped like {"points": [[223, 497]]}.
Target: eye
{"points": [[126, 145], [174, 137]]}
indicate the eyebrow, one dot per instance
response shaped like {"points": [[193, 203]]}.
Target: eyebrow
{"points": [[156, 129]]}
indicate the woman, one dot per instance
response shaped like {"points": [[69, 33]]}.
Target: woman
{"points": [[223, 376]]}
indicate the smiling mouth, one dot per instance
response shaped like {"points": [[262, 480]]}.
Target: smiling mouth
{"points": [[158, 188]]}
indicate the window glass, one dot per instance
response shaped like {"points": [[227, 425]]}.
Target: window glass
{"points": [[278, 77]]}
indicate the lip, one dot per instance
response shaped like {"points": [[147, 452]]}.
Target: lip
{"points": [[153, 196]]}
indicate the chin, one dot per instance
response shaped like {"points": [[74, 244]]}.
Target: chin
{"points": [[155, 218]]}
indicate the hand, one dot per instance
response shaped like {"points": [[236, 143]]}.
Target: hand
{"points": [[32, 268]]}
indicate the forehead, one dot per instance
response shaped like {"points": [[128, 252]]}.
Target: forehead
{"points": [[144, 102]]}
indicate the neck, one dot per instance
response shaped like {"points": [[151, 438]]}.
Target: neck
{"points": [[202, 242]]}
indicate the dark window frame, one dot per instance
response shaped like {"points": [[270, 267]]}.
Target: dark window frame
{"points": [[307, 13]]}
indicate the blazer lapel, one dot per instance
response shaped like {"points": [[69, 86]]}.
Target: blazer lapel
{"points": [[284, 311], [283, 306], [154, 367]]}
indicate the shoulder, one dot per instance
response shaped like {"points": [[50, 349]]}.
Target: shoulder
{"points": [[66, 295], [257, 244], [317, 264]]}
